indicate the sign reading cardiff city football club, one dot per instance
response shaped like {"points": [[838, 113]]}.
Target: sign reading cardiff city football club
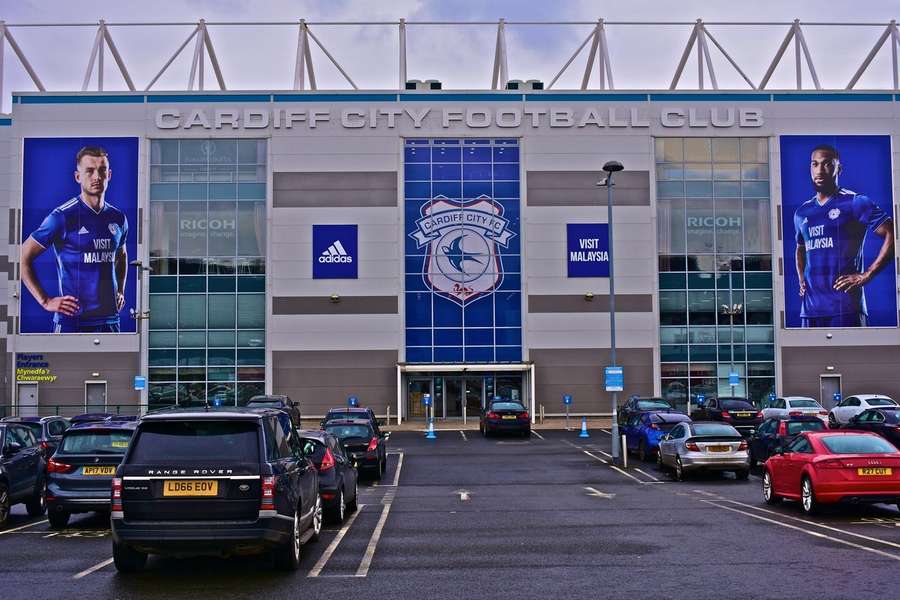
{"points": [[462, 239], [463, 283], [838, 231], [334, 253], [587, 249], [79, 234]]}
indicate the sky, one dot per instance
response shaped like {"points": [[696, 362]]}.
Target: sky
{"points": [[262, 58]]}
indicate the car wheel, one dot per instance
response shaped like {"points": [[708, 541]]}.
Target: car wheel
{"points": [[376, 474], [353, 505], [287, 556], [317, 520], [659, 461], [742, 475], [128, 560], [642, 451], [832, 422], [4, 505], [808, 497], [384, 465], [59, 519], [679, 469], [769, 494], [37, 504], [336, 514]]}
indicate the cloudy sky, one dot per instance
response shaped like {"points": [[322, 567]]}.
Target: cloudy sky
{"points": [[258, 57]]}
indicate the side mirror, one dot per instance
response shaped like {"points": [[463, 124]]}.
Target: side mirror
{"points": [[12, 448], [665, 438], [387, 435]]}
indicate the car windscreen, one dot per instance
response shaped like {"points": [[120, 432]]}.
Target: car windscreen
{"points": [[265, 404], [714, 429], [224, 441], [803, 404], [349, 431], [96, 442], [506, 406], [653, 405], [737, 405], [795, 427], [36, 428], [881, 402], [857, 444], [337, 416], [891, 416]]}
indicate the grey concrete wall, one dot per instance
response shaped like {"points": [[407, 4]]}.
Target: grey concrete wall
{"points": [[560, 371], [863, 369], [320, 380]]}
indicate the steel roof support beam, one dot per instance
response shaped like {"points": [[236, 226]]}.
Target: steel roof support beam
{"points": [[328, 54], [172, 59], [104, 39], [402, 39], [501, 68], [303, 64], [599, 51], [699, 36], [7, 36], [890, 31], [800, 48]]}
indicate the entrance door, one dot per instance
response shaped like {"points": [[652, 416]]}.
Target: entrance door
{"points": [[829, 385], [94, 396], [454, 387], [27, 399], [416, 389], [474, 396]]}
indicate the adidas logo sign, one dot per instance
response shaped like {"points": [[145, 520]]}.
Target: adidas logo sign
{"points": [[335, 254]]}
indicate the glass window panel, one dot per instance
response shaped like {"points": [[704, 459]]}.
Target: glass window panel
{"points": [[725, 263], [193, 174], [221, 356], [188, 357], [251, 284], [702, 352], [670, 189], [731, 352], [727, 172], [221, 394], [220, 373], [760, 335], [670, 223], [726, 331], [163, 284], [221, 283], [727, 189], [162, 374], [759, 280], [221, 339], [192, 394], [697, 149], [164, 232], [221, 226], [161, 395], [702, 308], [701, 262], [673, 308], [761, 369], [755, 189], [729, 236], [754, 149], [669, 172], [161, 358], [191, 266], [247, 358], [251, 229], [758, 263], [221, 311], [192, 229], [222, 174], [251, 311], [676, 392], [162, 339], [163, 192], [251, 151], [251, 373], [221, 151], [191, 339], [193, 283], [672, 263], [752, 171], [726, 149], [669, 149], [194, 151], [708, 386], [162, 311], [191, 311], [698, 189], [673, 335], [701, 281], [760, 389], [674, 370], [164, 266], [164, 152], [671, 281], [700, 225], [757, 226], [702, 335], [729, 297], [724, 370], [251, 338], [191, 373], [761, 352], [245, 391], [677, 353], [759, 307], [698, 171]]}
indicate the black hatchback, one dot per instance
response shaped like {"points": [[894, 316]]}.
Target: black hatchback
{"points": [[80, 472], [47, 430], [883, 420], [338, 476], [776, 432], [363, 443], [505, 416], [737, 412]]}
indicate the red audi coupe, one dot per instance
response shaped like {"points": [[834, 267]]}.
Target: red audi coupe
{"points": [[829, 467]]}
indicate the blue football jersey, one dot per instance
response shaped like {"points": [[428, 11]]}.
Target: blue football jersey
{"points": [[85, 243], [833, 235]]}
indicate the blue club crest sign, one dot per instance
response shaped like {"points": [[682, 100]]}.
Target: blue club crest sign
{"points": [[463, 259]]}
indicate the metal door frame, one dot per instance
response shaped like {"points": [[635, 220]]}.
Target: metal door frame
{"points": [[409, 382], [832, 376], [105, 395]]}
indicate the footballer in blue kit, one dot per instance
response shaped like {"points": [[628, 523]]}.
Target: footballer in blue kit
{"points": [[830, 229], [87, 235]]}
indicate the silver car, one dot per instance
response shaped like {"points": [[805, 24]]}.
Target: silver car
{"points": [[784, 407], [703, 446]]}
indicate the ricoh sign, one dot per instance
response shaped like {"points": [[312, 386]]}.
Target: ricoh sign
{"points": [[516, 117]]}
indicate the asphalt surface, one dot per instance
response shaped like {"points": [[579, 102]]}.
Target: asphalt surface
{"points": [[468, 517]]}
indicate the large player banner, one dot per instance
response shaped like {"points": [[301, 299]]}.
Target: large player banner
{"points": [[838, 231], [463, 260], [79, 232]]}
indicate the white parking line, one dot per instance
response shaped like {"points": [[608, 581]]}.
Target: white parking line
{"points": [[366, 562], [397, 470], [22, 527], [533, 432], [806, 531], [96, 567], [320, 564], [463, 434], [606, 431], [647, 474]]}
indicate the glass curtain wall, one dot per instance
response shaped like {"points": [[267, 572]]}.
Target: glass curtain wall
{"points": [[715, 249], [207, 288]]}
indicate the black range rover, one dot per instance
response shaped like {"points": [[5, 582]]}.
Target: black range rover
{"points": [[221, 482]]}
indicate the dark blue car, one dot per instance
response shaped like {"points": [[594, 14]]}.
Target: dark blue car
{"points": [[644, 430]]}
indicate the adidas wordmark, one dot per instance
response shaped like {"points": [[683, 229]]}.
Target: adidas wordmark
{"points": [[335, 253]]}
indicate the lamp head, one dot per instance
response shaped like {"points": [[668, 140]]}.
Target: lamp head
{"points": [[613, 166]]}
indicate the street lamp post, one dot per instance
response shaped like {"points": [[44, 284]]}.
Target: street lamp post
{"points": [[609, 168], [731, 310], [139, 315]]}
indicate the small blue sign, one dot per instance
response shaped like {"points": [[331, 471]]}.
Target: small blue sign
{"points": [[837, 398], [335, 252], [140, 382], [615, 379], [587, 249], [567, 399], [734, 379], [352, 401], [426, 399], [701, 399]]}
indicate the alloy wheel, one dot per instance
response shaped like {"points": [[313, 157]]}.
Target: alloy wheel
{"points": [[679, 469], [342, 506], [296, 536], [767, 486], [317, 517], [4, 505], [806, 495]]}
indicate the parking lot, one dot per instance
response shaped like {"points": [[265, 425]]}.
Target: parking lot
{"points": [[468, 517]]}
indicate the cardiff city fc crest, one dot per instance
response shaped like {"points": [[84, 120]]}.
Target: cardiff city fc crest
{"points": [[463, 259]]}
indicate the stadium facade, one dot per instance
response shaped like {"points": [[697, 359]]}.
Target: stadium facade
{"points": [[386, 245]]}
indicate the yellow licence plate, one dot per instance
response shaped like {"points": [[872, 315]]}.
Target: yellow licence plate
{"points": [[874, 471], [98, 470], [743, 414], [718, 448], [509, 416], [190, 487]]}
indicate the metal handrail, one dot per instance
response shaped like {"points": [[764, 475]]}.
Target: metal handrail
{"points": [[68, 410]]}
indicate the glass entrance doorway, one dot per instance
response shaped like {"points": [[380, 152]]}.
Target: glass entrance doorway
{"points": [[463, 396], [460, 395]]}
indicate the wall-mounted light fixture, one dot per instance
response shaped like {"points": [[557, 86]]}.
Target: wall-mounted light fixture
{"points": [[588, 296], [96, 341], [334, 298], [829, 368]]}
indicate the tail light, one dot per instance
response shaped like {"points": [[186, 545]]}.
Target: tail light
{"points": [[524, 416], [654, 426], [373, 445], [782, 428], [834, 463], [327, 461], [759, 414], [116, 494], [44, 445], [267, 499], [492, 415], [726, 414], [692, 446], [795, 413], [823, 413], [54, 466], [743, 445]]}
